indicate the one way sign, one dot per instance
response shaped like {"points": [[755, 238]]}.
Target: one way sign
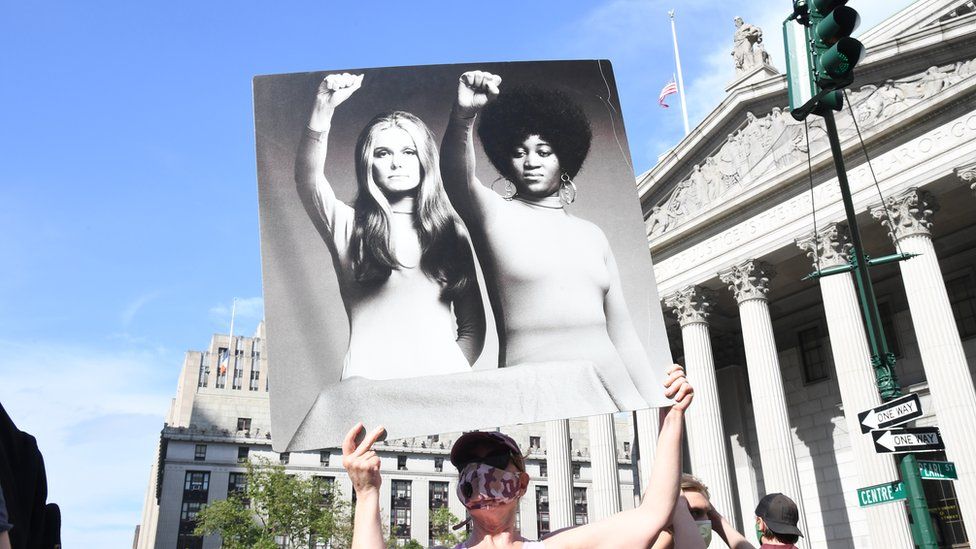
{"points": [[920, 439], [891, 413]]}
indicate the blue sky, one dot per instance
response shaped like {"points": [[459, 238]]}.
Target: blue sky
{"points": [[128, 199]]}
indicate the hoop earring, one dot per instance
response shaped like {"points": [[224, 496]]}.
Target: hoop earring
{"points": [[510, 189], [567, 190]]}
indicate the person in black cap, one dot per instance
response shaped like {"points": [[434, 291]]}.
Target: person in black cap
{"points": [[776, 519], [492, 479]]}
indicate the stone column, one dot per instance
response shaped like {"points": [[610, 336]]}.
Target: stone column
{"points": [[749, 283], [706, 436], [887, 524], [559, 462], [605, 493], [946, 370]]}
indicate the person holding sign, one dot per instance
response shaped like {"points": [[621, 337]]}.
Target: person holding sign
{"points": [[492, 480], [551, 277], [405, 268]]}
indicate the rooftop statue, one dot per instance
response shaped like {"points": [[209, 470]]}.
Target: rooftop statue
{"points": [[747, 48]]}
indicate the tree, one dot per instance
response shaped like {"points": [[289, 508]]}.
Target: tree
{"points": [[441, 521], [275, 505]]}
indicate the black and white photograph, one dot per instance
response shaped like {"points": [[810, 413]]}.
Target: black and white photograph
{"points": [[451, 243]]}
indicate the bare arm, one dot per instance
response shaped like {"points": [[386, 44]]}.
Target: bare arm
{"points": [[639, 527], [475, 89], [363, 466], [314, 189], [728, 533]]}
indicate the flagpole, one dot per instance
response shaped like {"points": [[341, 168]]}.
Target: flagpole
{"points": [[233, 311], [677, 62]]}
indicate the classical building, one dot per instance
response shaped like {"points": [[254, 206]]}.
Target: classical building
{"points": [[748, 203], [220, 418]]}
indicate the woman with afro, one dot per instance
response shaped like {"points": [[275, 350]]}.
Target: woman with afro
{"points": [[552, 279]]}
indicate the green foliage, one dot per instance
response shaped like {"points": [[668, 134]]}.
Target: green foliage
{"points": [[441, 520], [278, 504]]}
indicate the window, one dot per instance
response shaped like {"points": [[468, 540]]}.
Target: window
{"points": [[237, 483], [542, 509], [400, 509], [543, 469], [534, 443], [238, 382], [284, 458], [439, 465], [812, 355], [222, 362], [962, 299], [433, 438], [576, 470], [255, 375], [324, 456], [204, 370], [242, 453], [401, 463], [200, 453], [190, 510], [888, 325], [627, 448], [243, 424], [940, 495], [438, 494], [326, 487], [579, 506], [196, 481]]}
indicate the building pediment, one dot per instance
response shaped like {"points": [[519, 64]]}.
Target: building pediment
{"points": [[920, 17], [767, 151]]}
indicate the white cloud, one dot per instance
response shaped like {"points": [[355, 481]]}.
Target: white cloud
{"points": [[96, 415]]}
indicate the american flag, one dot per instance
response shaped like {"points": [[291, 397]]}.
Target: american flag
{"points": [[669, 89]]}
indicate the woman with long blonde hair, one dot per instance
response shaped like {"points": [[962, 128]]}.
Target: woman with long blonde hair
{"points": [[405, 268]]}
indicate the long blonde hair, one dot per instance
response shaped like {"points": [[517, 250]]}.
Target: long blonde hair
{"points": [[445, 253]]}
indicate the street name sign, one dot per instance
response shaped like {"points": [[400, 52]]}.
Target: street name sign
{"points": [[891, 413], [937, 470], [897, 441], [881, 493]]}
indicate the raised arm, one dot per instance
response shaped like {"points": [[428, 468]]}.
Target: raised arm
{"points": [[363, 466], [314, 189], [639, 527], [475, 89], [728, 533]]}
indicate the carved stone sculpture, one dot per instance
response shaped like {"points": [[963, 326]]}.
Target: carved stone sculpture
{"points": [[747, 48]]}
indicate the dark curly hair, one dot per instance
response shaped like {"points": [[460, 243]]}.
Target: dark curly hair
{"points": [[523, 111]]}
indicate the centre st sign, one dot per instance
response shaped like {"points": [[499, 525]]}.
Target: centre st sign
{"points": [[891, 413], [881, 493]]}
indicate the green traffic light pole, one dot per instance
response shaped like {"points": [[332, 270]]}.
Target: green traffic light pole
{"points": [[882, 359]]}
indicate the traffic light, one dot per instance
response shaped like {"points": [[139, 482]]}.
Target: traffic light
{"points": [[835, 53], [821, 55]]}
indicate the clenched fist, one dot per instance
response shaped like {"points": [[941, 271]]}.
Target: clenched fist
{"points": [[475, 89]]}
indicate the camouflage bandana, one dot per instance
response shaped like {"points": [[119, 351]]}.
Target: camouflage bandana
{"points": [[491, 485]]}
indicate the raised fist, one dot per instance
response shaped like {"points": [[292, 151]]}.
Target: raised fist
{"points": [[336, 88], [475, 89], [676, 387]]}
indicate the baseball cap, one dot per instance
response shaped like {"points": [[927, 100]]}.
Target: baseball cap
{"points": [[779, 513], [462, 453]]}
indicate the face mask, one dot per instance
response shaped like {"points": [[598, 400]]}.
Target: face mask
{"points": [[487, 486], [759, 534], [705, 529]]}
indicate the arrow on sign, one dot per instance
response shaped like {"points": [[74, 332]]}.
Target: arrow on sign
{"points": [[920, 439], [891, 413]]}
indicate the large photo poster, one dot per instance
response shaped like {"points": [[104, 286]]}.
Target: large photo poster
{"points": [[451, 247]]}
